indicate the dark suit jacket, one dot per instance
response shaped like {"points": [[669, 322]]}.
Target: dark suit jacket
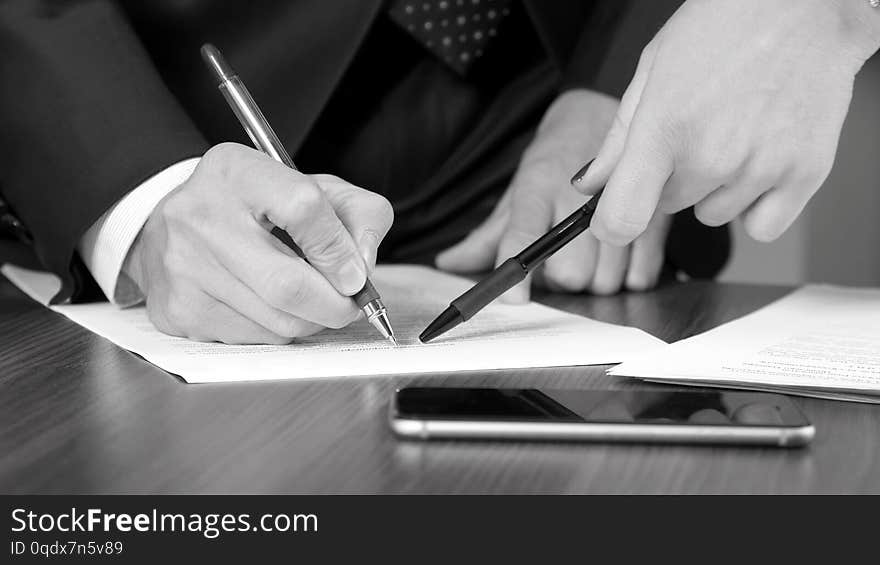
{"points": [[97, 95]]}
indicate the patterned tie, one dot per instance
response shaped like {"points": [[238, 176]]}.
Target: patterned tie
{"points": [[458, 32]]}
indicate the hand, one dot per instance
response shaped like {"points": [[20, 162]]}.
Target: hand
{"points": [[212, 271], [736, 108], [540, 196]]}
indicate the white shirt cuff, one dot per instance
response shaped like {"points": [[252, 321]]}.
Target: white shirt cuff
{"points": [[105, 245]]}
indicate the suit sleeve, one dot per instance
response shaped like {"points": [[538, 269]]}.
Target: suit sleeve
{"points": [[105, 245], [84, 118], [607, 53]]}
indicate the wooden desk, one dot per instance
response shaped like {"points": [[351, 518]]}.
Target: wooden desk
{"points": [[80, 415]]}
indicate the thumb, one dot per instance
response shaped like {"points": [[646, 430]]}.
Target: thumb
{"points": [[593, 176], [478, 250]]}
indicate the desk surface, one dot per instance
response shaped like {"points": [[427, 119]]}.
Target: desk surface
{"points": [[80, 415]]}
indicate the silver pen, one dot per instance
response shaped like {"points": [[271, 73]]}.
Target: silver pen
{"points": [[261, 133]]}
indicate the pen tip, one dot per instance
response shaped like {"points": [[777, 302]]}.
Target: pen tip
{"points": [[381, 322], [450, 318]]}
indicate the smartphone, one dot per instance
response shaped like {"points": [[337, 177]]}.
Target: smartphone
{"points": [[698, 416]]}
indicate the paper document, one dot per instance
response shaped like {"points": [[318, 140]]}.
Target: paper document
{"points": [[818, 341], [499, 337]]}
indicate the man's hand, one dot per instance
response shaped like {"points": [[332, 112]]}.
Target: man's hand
{"points": [[540, 196], [212, 271], [736, 108]]}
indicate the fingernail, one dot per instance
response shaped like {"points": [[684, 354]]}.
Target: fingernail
{"points": [[352, 277], [369, 246], [579, 176]]}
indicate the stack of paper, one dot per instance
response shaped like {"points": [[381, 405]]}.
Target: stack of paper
{"points": [[819, 341], [499, 337]]}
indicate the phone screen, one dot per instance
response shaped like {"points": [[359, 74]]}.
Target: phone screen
{"points": [[698, 407]]}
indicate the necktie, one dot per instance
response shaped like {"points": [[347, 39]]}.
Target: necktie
{"points": [[458, 32]]}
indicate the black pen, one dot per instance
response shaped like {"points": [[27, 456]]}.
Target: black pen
{"points": [[512, 271], [261, 133]]}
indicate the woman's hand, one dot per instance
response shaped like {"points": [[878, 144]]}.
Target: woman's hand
{"points": [[735, 108]]}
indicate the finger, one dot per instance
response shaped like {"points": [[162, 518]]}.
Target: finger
{"points": [[729, 201], [531, 215], [610, 269], [685, 188], [296, 204], [221, 323], [477, 251], [647, 254], [366, 215], [193, 314], [571, 268], [238, 296], [284, 282], [779, 207], [735, 195], [633, 190], [594, 175]]}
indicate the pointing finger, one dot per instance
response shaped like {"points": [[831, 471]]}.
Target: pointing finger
{"points": [[633, 191], [296, 204], [366, 215], [284, 282], [594, 175]]}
